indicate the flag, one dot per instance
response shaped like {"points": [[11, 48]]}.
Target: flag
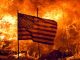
{"points": [[37, 29], [24, 24]]}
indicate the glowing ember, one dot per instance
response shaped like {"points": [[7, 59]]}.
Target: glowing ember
{"points": [[20, 55]]}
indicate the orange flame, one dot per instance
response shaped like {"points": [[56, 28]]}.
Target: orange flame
{"points": [[54, 15]]}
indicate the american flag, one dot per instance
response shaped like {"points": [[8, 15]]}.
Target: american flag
{"points": [[37, 29]]}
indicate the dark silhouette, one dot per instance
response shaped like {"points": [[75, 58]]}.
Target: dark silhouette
{"points": [[55, 55]]}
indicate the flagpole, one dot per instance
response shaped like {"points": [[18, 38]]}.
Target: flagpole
{"points": [[17, 31], [38, 43]]}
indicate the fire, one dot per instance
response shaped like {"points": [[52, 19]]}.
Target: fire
{"points": [[54, 15], [8, 18], [63, 11], [7, 26], [1, 37]]}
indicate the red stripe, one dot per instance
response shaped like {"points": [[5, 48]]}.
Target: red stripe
{"points": [[43, 38], [50, 43], [44, 30], [24, 37], [52, 26], [47, 21], [41, 35], [42, 41], [38, 39], [50, 22], [22, 29], [23, 32]]}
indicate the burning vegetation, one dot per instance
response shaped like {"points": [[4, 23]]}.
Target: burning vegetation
{"points": [[65, 12]]}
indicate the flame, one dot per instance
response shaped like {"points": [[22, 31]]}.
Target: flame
{"points": [[8, 18], [2, 37], [54, 15], [7, 26], [20, 55]]}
